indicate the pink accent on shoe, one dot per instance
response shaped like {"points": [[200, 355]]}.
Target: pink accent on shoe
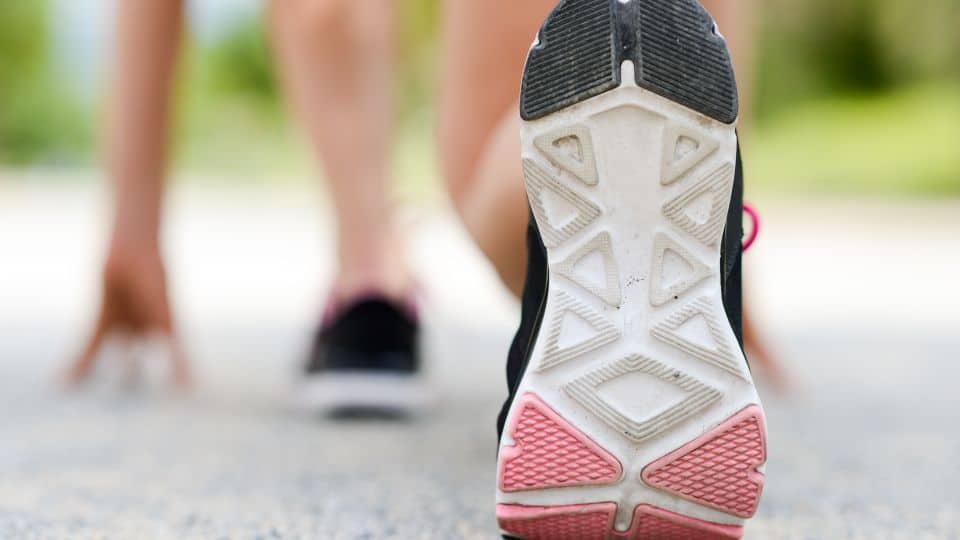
{"points": [[719, 468], [596, 522], [755, 229], [549, 452], [573, 522], [650, 522]]}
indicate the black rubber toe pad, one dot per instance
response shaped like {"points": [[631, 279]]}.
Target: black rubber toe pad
{"points": [[672, 44]]}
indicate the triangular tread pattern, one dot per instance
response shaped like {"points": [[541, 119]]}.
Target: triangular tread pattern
{"points": [[584, 168], [721, 355], [553, 354], [674, 168], [717, 186], [610, 291], [538, 181], [660, 294]]}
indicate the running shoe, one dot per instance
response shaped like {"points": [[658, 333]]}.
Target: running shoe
{"points": [[365, 360], [632, 411]]}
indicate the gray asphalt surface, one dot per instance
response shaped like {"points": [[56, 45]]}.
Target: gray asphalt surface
{"points": [[866, 447]]}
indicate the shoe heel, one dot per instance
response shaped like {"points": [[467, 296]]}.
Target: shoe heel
{"points": [[674, 45]]}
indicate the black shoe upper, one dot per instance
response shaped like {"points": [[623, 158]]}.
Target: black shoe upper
{"points": [[537, 285], [731, 255], [371, 335], [534, 301]]}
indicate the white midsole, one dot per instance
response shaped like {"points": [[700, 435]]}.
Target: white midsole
{"points": [[334, 390]]}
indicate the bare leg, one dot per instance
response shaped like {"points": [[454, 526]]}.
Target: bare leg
{"points": [[760, 355], [479, 127], [134, 290], [485, 45], [735, 20], [484, 57], [335, 60]]}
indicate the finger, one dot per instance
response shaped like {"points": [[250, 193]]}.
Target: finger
{"points": [[149, 309], [80, 369], [182, 376]]}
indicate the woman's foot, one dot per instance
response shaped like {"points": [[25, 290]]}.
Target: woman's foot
{"points": [[633, 413], [365, 359]]}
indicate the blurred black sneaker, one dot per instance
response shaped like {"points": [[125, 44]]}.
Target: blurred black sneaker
{"points": [[632, 411], [365, 360]]}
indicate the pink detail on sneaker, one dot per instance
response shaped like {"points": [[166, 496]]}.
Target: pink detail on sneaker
{"points": [[595, 522], [549, 452], [574, 522], [719, 468], [754, 229], [652, 523]]}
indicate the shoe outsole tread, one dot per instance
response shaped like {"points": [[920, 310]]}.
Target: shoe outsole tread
{"points": [[629, 137]]}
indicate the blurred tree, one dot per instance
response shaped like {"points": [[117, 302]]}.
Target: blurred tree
{"points": [[40, 119], [419, 56], [22, 37], [239, 63], [807, 50], [919, 39], [812, 48]]}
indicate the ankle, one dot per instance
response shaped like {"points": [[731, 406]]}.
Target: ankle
{"points": [[351, 289], [392, 284], [125, 258]]}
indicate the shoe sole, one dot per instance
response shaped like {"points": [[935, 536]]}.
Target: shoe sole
{"points": [[357, 394], [636, 416]]}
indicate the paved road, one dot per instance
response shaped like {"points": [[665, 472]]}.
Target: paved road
{"points": [[867, 448]]}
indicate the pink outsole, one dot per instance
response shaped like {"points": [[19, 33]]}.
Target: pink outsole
{"points": [[550, 452], [719, 468], [596, 522]]}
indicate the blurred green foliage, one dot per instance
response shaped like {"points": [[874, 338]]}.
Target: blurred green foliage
{"points": [[231, 119], [855, 95], [815, 48], [419, 56], [905, 141], [240, 64], [229, 108], [40, 119]]}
